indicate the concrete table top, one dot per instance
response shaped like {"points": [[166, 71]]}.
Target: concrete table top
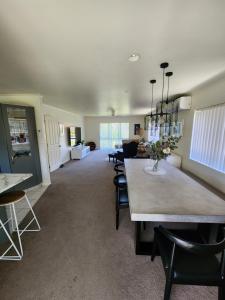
{"points": [[173, 197], [9, 180]]}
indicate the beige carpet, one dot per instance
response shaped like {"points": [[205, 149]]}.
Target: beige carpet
{"points": [[79, 254]]}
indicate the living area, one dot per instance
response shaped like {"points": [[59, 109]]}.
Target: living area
{"points": [[112, 169]]}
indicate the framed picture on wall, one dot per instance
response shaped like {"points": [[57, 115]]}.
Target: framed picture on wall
{"points": [[137, 129]]}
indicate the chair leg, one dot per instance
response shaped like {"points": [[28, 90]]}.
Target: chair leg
{"points": [[117, 218], [221, 292], [144, 225], [167, 289], [154, 248], [117, 208]]}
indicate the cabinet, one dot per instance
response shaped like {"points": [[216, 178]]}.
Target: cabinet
{"points": [[79, 152], [19, 151]]}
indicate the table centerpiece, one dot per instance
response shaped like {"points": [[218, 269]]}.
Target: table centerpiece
{"points": [[161, 149]]}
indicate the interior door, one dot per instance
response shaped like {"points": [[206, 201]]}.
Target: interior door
{"points": [[53, 142], [22, 146]]}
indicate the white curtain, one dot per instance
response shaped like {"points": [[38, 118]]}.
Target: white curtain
{"points": [[112, 134], [208, 137]]}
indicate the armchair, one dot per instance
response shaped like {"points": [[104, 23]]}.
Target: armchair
{"points": [[129, 151]]}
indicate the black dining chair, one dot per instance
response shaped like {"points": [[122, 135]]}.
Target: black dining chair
{"points": [[119, 168], [120, 182], [190, 263]]}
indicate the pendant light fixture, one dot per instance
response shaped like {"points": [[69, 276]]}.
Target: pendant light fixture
{"points": [[150, 118], [169, 116], [153, 81], [166, 112]]}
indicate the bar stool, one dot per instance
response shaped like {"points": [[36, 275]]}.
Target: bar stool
{"points": [[9, 200], [122, 201]]}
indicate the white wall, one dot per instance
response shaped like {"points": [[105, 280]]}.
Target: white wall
{"points": [[68, 119], [210, 93], [36, 102], [92, 125]]}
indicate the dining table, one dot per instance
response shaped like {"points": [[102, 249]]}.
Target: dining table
{"points": [[168, 196]]}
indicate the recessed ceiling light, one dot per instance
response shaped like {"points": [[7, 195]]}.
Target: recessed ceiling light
{"points": [[134, 57]]}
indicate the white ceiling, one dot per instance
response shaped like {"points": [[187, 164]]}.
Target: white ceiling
{"points": [[75, 52]]}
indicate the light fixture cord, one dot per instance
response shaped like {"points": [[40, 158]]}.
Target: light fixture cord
{"points": [[152, 98], [173, 112], [167, 99], [168, 89], [162, 90]]}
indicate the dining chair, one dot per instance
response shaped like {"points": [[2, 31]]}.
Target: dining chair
{"points": [[119, 168], [121, 195], [190, 263]]}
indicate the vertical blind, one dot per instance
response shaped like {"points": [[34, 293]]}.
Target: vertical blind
{"points": [[208, 138], [112, 134]]}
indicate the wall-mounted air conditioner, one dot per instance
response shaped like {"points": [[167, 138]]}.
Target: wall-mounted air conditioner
{"points": [[184, 102]]}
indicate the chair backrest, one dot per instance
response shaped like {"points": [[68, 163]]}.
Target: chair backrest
{"points": [[119, 168], [195, 248], [130, 149], [120, 181]]}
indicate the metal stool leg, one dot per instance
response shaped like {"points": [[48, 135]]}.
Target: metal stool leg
{"points": [[9, 257], [19, 232], [17, 228], [34, 218]]}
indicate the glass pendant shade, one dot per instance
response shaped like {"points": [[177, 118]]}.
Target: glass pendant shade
{"points": [[165, 116]]}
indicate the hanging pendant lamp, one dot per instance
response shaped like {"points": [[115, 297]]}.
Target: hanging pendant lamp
{"points": [[164, 114]]}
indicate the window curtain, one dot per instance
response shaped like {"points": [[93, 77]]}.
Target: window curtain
{"points": [[208, 137]]}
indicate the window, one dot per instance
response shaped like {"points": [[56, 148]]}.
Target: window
{"points": [[112, 134], [208, 138]]}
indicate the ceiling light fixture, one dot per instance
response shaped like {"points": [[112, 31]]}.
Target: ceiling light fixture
{"points": [[165, 117], [134, 57]]}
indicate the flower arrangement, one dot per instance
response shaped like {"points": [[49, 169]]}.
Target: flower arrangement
{"points": [[161, 149]]}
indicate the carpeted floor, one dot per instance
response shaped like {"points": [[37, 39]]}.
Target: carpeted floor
{"points": [[78, 254]]}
